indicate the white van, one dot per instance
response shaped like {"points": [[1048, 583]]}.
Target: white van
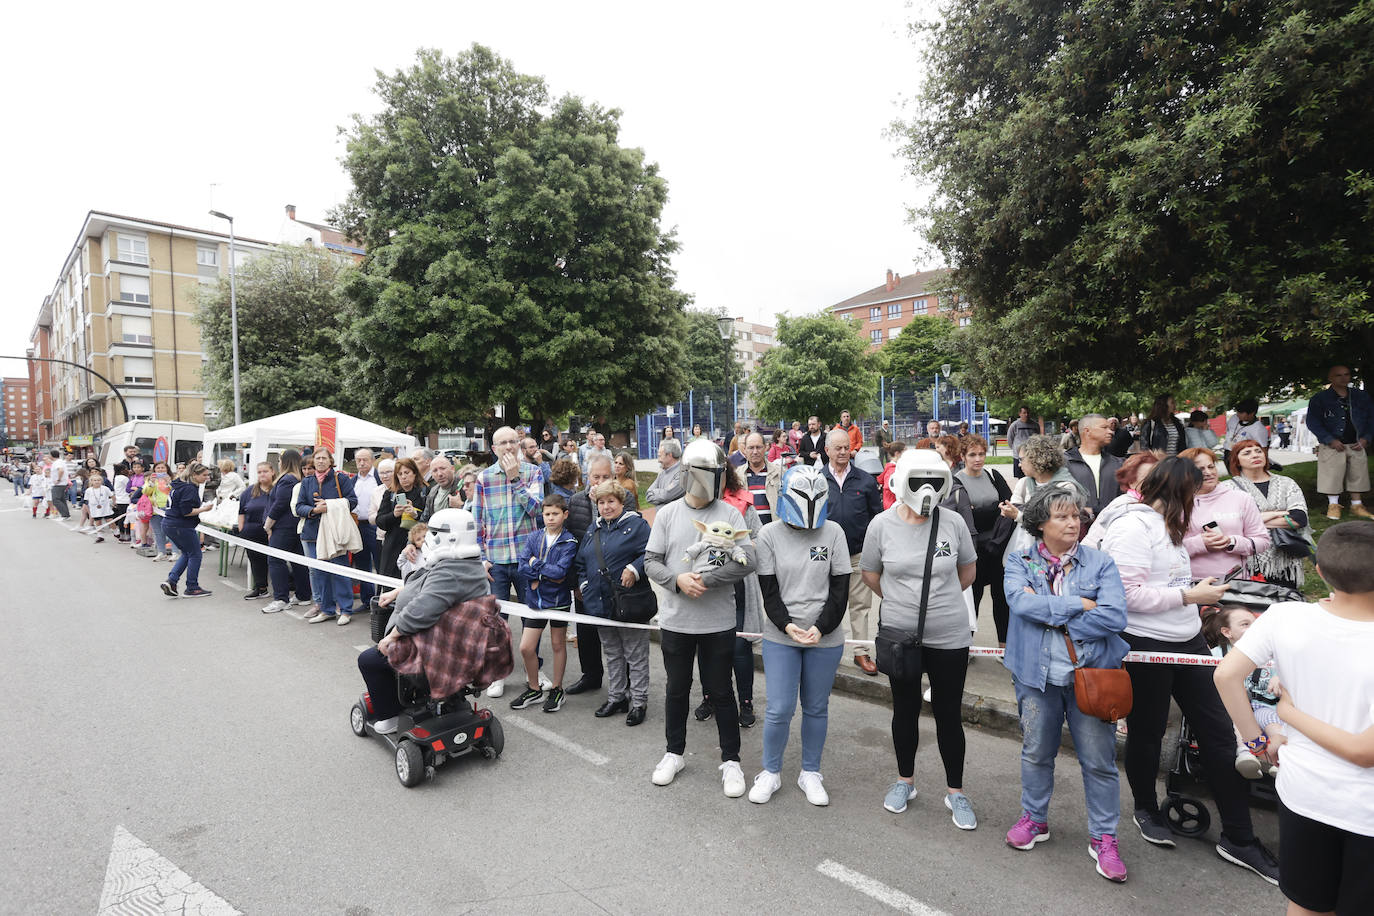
{"points": [[179, 441]]}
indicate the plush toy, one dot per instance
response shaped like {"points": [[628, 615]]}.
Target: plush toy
{"points": [[718, 543]]}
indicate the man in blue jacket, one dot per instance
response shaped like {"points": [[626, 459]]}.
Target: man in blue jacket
{"points": [[1342, 419], [854, 501]]}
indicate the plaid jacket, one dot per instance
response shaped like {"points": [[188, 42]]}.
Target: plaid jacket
{"points": [[470, 645], [506, 512]]}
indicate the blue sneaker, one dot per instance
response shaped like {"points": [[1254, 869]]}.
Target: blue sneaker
{"points": [[963, 817], [897, 796]]}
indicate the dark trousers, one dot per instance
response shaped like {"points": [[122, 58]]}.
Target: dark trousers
{"points": [[744, 652], [287, 577], [1196, 694], [380, 679], [990, 573], [188, 542], [366, 560], [58, 498], [716, 651], [946, 669], [589, 647], [257, 562]]}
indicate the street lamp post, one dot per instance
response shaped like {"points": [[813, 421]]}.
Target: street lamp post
{"points": [[233, 314]]}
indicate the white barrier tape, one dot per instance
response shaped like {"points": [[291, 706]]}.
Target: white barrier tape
{"points": [[516, 609], [93, 531]]}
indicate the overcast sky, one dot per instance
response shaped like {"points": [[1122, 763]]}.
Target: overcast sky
{"points": [[767, 121]]}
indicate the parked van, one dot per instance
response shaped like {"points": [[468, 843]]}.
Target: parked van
{"points": [[176, 441]]}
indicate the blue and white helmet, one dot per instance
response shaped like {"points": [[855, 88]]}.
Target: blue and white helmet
{"points": [[803, 501]]}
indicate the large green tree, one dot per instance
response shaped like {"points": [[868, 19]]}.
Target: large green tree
{"points": [[1134, 194], [289, 301], [708, 360], [514, 251], [821, 365], [918, 352]]}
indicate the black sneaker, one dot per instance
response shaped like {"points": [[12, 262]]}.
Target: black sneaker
{"points": [[746, 714], [531, 696], [169, 589], [705, 710], [554, 701], [197, 593], [1254, 857], [1154, 829]]}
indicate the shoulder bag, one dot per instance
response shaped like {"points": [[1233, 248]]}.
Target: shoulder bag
{"points": [[636, 604], [1103, 693], [897, 653], [1295, 544]]}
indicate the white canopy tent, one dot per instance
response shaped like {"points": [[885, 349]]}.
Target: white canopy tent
{"points": [[266, 439]]}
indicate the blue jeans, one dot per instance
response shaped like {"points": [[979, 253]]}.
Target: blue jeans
{"points": [[1042, 722], [788, 670], [366, 560], [188, 561], [504, 581], [331, 592]]}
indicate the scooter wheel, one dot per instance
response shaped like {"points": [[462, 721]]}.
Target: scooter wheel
{"points": [[410, 764], [494, 740], [1187, 816], [357, 719]]}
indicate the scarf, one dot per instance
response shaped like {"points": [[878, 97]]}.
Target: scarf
{"points": [[1054, 566]]}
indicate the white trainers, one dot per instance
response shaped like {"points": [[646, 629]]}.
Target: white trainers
{"points": [[275, 607], [495, 690], [1248, 765], [810, 782], [733, 777], [669, 767], [304, 601], [765, 784], [544, 682], [387, 726]]}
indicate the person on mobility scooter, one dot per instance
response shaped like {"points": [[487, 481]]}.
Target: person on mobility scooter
{"points": [[443, 642]]}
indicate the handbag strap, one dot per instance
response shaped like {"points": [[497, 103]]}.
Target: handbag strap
{"points": [[925, 578], [600, 557], [1073, 656]]}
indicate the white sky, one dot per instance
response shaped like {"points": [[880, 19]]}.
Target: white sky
{"points": [[767, 120]]}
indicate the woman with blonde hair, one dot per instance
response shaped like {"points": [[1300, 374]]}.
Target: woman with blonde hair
{"points": [[625, 476]]}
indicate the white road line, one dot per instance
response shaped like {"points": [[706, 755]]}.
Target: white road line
{"points": [[557, 740], [363, 648], [876, 889]]}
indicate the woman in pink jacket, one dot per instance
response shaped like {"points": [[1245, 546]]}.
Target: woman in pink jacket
{"points": [[1238, 532]]}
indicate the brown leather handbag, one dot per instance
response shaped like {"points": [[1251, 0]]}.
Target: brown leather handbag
{"points": [[1103, 693]]}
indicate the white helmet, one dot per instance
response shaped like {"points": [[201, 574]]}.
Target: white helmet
{"points": [[452, 535], [921, 480], [703, 470]]}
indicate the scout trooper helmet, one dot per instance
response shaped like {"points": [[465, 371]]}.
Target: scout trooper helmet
{"points": [[921, 480]]}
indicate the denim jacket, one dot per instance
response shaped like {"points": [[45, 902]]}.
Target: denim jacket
{"points": [[1326, 420], [1036, 620]]}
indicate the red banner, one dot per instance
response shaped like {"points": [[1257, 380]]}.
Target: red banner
{"points": [[326, 432]]}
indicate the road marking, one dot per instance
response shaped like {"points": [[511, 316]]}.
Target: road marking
{"points": [[363, 648], [138, 880], [877, 890], [558, 741]]}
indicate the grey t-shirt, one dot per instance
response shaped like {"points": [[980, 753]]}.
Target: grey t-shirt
{"points": [[665, 557], [803, 559], [897, 551], [982, 493]]}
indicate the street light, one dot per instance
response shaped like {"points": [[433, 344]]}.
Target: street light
{"points": [[233, 314]]}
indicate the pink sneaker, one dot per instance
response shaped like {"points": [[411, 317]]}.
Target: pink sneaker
{"points": [[1027, 833], [1108, 858]]}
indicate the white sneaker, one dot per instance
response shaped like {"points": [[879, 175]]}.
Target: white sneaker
{"points": [[669, 767], [387, 726], [274, 608], [925, 694], [1248, 765], [344, 620], [765, 784], [810, 782], [733, 777], [544, 682], [304, 601], [495, 690]]}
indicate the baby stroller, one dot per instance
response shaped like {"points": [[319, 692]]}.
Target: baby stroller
{"points": [[1185, 813]]}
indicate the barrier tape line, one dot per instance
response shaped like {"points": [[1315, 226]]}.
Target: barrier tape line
{"points": [[524, 611]]}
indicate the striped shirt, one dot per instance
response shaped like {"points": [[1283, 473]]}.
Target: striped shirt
{"points": [[506, 512], [758, 491]]}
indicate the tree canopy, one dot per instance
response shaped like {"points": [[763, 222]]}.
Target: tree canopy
{"points": [[1142, 193], [922, 347], [708, 361], [821, 365], [289, 301], [514, 251]]}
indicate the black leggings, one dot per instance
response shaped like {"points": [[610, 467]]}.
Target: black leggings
{"points": [[714, 651], [990, 572], [743, 661], [946, 669], [1192, 687]]}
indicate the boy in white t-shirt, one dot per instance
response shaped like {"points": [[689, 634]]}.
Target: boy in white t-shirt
{"points": [[99, 502], [1321, 655]]}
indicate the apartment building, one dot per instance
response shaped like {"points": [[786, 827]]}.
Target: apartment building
{"points": [[751, 341], [302, 232], [886, 309], [18, 421], [123, 307]]}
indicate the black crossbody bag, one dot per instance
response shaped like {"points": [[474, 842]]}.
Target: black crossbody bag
{"points": [[898, 652], [636, 604]]}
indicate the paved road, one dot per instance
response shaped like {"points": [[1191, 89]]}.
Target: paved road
{"points": [[218, 737]]}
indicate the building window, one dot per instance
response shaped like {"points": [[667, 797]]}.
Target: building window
{"points": [[875, 313], [965, 321], [132, 249], [875, 336], [138, 370], [848, 316], [894, 310], [922, 305], [946, 303], [133, 289], [136, 330], [207, 257]]}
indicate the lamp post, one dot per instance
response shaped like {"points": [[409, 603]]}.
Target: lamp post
{"points": [[233, 314]]}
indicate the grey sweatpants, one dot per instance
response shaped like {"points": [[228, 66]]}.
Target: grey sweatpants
{"points": [[626, 649]]}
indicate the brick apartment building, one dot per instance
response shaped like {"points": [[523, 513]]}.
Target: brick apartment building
{"points": [[884, 310], [18, 420]]}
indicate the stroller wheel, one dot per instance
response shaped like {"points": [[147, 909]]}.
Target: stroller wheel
{"points": [[495, 740], [410, 764], [357, 720], [1187, 816]]}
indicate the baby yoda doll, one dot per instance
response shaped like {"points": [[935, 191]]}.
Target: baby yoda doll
{"points": [[718, 543]]}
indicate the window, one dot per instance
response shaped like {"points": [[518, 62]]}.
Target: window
{"points": [[875, 336], [207, 257], [133, 289], [894, 310], [875, 313], [132, 249], [946, 303], [136, 330], [185, 450], [138, 370], [922, 305], [848, 316], [965, 321]]}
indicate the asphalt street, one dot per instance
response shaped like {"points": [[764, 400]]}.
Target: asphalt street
{"points": [[219, 738]]}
